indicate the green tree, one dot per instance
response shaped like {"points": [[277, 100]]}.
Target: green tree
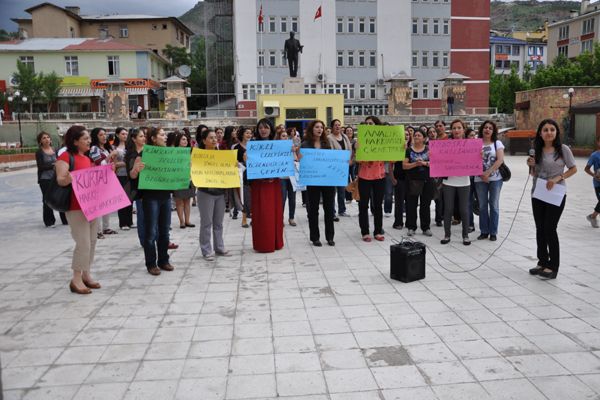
{"points": [[50, 88], [177, 56], [197, 79], [27, 83], [6, 36]]}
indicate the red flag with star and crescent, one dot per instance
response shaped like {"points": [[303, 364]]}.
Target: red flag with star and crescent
{"points": [[319, 13], [261, 18]]}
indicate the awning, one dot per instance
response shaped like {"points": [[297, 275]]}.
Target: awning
{"points": [[136, 91], [270, 103], [80, 92]]}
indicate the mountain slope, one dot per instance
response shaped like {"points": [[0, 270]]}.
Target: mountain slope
{"points": [[529, 15]]}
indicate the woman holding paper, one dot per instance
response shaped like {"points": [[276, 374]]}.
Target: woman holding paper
{"points": [[244, 135], [287, 190], [133, 162], [183, 197], [125, 214], [339, 141], [267, 223], [548, 168], [489, 184], [84, 233], [101, 153], [45, 159], [211, 203], [315, 139], [453, 187], [420, 185]]}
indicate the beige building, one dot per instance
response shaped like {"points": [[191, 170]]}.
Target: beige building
{"points": [[147, 31], [575, 35]]}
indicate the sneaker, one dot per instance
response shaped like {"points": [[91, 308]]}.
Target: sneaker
{"points": [[344, 214], [411, 232], [387, 215], [593, 221], [209, 257], [125, 228], [428, 233]]}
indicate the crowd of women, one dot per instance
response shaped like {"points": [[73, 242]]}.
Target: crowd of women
{"points": [[406, 186]]}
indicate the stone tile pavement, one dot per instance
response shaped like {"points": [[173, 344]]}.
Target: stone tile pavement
{"points": [[302, 323]]}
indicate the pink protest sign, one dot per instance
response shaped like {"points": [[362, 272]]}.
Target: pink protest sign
{"points": [[98, 191], [457, 157]]}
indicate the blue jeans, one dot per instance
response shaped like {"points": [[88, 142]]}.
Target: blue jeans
{"points": [[287, 192], [140, 221], [157, 220], [488, 194], [388, 197], [341, 199]]}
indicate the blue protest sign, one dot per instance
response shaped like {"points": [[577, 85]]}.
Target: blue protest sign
{"points": [[324, 167], [269, 159]]}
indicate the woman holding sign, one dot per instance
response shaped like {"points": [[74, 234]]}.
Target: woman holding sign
{"points": [[315, 139], [267, 210], [548, 169], [456, 186], [339, 141], [183, 197], [84, 233]]}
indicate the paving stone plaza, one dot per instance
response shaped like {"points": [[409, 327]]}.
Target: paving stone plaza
{"points": [[303, 323]]}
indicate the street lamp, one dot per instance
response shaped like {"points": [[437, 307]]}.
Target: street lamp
{"points": [[18, 100], [571, 132]]}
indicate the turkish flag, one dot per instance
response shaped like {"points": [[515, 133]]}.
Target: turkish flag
{"points": [[319, 13], [261, 18]]}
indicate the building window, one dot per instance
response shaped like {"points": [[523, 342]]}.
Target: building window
{"points": [[415, 26], [415, 91], [123, 31], [350, 25], [515, 63], [530, 50], [499, 64], [563, 50], [372, 58], [425, 26], [587, 45], [361, 25], [295, 24], [436, 26], [272, 26], [415, 58], [72, 65], [435, 60], [261, 58], [340, 25], [164, 27], [283, 24], [563, 32], [28, 62], [362, 91], [372, 91], [425, 90], [446, 27], [445, 59], [516, 50], [425, 59], [372, 28], [272, 58], [436, 91], [588, 26], [350, 58], [113, 66], [499, 49], [361, 58], [340, 58]]}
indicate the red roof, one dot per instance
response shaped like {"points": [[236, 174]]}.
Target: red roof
{"points": [[103, 44]]}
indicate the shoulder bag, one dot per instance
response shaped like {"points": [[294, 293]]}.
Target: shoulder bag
{"points": [[58, 197]]}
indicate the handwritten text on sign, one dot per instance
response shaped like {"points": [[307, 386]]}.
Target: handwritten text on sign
{"points": [[166, 168], [324, 167], [269, 159], [380, 143], [458, 157], [215, 168], [98, 191]]}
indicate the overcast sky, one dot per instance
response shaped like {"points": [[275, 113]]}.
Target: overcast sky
{"points": [[172, 8]]}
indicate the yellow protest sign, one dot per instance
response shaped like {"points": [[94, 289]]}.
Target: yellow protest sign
{"points": [[215, 168]]}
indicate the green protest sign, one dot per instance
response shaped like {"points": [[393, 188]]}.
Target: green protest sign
{"points": [[380, 143], [165, 168]]}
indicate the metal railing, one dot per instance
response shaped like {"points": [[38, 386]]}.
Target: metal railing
{"points": [[464, 111], [205, 114], [59, 116]]}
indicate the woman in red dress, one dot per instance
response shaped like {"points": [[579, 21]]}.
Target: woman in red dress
{"points": [[267, 206]]}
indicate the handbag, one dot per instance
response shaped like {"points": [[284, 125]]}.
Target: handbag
{"points": [[58, 197], [131, 192], [503, 169], [352, 187]]}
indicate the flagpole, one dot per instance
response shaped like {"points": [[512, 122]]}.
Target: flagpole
{"points": [[321, 55], [262, 50]]}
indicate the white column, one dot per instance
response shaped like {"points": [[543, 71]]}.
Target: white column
{"points": [[394, 24], [318, 39], [245, 52]]}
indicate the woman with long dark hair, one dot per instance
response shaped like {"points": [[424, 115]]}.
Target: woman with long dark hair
{"points": [[157, 216], [45, 159], [84, 233], [133, 162], [287, 190], [126, 213], [401, 186], [339, 141], [101, 153], [267, 211], [315, 139], [183, 197], [244, 135], [551, 159], [489, 184]]}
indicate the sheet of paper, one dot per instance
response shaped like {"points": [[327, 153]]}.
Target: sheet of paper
{"points": [[554, 196]]}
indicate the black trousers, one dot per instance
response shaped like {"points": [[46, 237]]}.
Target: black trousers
{"points": [[364, 188], [450, 195], [400, 198], [293, 65], [546, 218], [125, 214], [314, 196], [424, 201], [47, 212]]}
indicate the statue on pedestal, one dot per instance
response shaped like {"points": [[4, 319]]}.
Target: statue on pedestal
{"points": [[290, 52]]}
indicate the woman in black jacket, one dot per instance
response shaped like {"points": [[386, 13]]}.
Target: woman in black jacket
{"points": [[45, 159]]}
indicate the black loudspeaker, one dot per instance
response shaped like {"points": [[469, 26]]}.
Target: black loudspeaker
{"points": [[407, 261]]}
